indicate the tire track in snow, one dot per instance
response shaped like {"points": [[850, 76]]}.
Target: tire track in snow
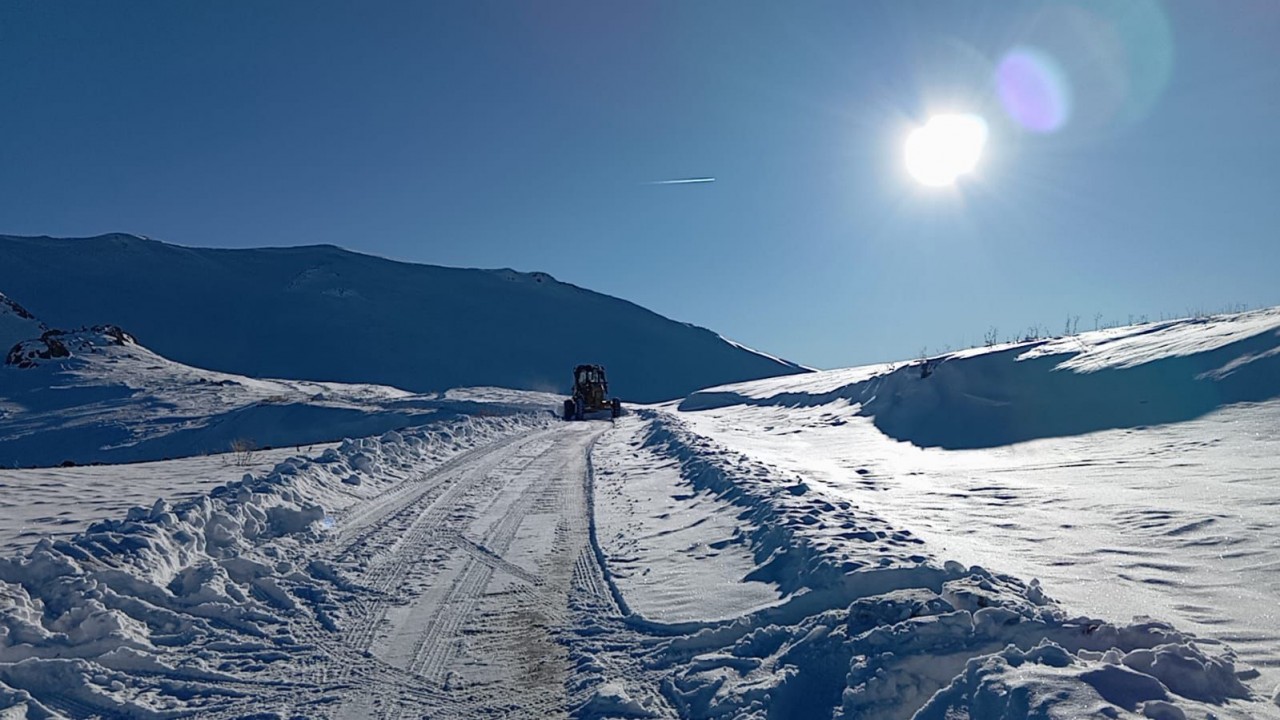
{"points": [[520, 639], [494, 560], [434, 647], [497, 539], [399, 536], [410, 532], [470, 574]]}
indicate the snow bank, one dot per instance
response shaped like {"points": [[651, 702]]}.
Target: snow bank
{"points": [[801, 540], [690, 561], [1130, 377], [172, 605], [875, 627]]}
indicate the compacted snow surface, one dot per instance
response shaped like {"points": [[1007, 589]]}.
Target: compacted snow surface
{"points": [[971, 538]]}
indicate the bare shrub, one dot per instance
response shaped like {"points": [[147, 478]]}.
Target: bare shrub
{"points": [[242, 450]]}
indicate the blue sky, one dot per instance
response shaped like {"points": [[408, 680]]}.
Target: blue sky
{"points": [[524, 135]]}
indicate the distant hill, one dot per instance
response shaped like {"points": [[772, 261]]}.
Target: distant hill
{"points": [[95, 395], [327, 314]]}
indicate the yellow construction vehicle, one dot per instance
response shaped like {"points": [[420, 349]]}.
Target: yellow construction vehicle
{"points": [[590, 394]]}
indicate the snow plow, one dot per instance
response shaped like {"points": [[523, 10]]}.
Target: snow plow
{"points": [[590, 394]]}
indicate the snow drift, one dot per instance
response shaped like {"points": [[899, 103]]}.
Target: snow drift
{"points": [[1131, 470], [870, 624], [96, 395], [1129, 377], [322, 313]]}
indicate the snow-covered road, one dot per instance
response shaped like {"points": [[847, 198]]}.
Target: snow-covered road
{"points": [[429, 579], [463, 579], [525, 567]]}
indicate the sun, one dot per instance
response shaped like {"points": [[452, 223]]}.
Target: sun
{"points": [[945, 148]]}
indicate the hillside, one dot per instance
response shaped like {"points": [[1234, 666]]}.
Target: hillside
{"points": [[1128, 377], [1132, 470], [326, 314], [96, 395]]}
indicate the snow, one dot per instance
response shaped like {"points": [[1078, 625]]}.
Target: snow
{"points": [[321, 313], [60, 502], [16, 324], [1128, 347], [870, 623], [176, 603], [481, 566], [1140, 377], [676, 553], [1063, 528], [96, 395], [1114, 516]]}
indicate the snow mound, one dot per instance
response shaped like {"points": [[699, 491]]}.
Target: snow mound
{"points": [[1129, 377], [166, 609], [344, 317], [803, 541], [59, 344], [16, 323]]}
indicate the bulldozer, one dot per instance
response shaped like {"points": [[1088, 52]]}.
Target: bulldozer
{"points": [[590, 394]]}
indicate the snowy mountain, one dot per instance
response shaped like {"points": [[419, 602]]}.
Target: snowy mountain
{"points": [[96, 395], [322, 313]]}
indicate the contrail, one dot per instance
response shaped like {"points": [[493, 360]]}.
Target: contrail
{"points": [[682, 181]]}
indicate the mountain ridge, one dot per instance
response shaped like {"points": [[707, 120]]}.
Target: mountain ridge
{"points": [[324, 313]]}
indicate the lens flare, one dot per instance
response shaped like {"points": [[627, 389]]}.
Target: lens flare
{"points": [[945, 148], [1148, 53], [1087, 65], [1033, 90]]}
